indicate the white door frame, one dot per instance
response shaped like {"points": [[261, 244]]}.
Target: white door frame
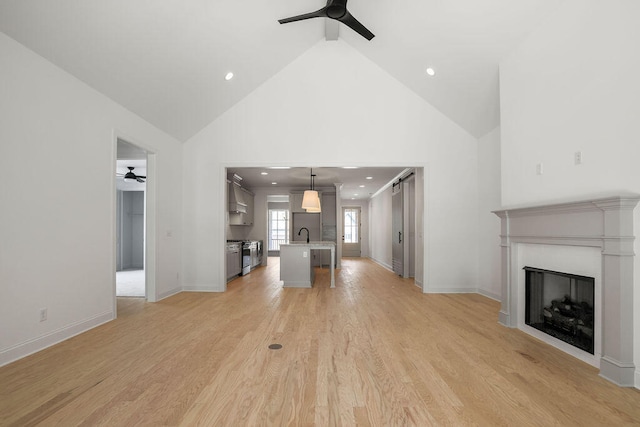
{"points": [[359, 208], [149, 218]]}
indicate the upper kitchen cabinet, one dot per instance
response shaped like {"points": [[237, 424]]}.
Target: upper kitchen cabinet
{"points": [[249, 198], [328, 201], [295, 202], [240, 204]]}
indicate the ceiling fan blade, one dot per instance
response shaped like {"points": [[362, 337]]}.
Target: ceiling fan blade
{"points": [[139, 179], [356, 26], [322, 13], [140, 176]]}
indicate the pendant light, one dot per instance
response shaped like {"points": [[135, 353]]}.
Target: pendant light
{"points": [[311, 201]]}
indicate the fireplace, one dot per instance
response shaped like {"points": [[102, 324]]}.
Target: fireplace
{"points": [[561, 305], [593, 239]]}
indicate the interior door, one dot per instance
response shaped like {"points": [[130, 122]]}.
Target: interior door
{"points": [[397, 223], [351, 236]]}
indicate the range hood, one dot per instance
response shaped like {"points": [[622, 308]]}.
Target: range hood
{"points": [[237, 203]]}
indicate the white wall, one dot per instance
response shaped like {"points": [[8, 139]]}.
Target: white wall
{"points": [[573, 85], [333, 107], [57, 221], [380, 229], [489, 278]]}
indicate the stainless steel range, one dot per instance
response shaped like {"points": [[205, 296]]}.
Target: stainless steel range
{"points": [[242, 257], [249, 251]]}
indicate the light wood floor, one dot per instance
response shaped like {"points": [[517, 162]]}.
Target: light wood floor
{"points": [[372, 351]]}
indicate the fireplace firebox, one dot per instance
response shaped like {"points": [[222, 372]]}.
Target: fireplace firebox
{"points": [[561, 305]]}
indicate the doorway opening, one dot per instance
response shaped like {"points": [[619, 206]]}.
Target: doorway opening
{"points": [[278, 219], [131, 176], [366, 187], [351, 233]]}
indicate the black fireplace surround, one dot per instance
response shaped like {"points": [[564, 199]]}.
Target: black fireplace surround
{"points": [[561, 305]]}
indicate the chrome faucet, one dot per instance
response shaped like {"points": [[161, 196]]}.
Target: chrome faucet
{"points": [[304, 228]]}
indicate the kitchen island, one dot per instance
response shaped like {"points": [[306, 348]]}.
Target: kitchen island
{"points": [[296, 270]]}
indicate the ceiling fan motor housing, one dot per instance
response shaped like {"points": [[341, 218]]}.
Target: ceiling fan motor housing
{"points": [[130, 176], [337, 9]]}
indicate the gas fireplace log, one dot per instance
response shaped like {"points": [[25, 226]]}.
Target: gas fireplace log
{"points": [[570, 316]]}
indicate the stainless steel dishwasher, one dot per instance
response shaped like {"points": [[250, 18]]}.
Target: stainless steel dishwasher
{"points": [[234, 259]]}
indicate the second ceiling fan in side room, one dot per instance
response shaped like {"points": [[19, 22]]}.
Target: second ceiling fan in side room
{"points": [[131, 176], [337, 10]]}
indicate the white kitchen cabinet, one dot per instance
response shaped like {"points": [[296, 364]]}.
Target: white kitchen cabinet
{"points": [[295, 202], [295, 266], [237, 218], [249, 199]]}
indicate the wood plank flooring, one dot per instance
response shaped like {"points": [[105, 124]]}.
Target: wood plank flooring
{"points": [[372, 351]]}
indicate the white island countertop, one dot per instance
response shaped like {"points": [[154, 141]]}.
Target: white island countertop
{"points": [[311, 243], [329, 245]]}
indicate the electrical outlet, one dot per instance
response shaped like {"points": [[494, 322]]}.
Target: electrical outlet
{"points": [[43, 314], [539, 169], [304, 254], [577, 157]]}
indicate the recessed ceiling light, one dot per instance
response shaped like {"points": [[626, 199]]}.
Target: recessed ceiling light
{"points": [[274, 183], [280, 167], [229, 76], [350, 167], [369, 177], [431, 72], [264, 173], [362, 186], [355, 194]]}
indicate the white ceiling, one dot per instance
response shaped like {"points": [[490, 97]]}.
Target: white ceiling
{"points": [[352, 180], [166, 60]]}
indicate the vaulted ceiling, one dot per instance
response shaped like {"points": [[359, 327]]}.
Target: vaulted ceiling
{"points": [[166, 60]]}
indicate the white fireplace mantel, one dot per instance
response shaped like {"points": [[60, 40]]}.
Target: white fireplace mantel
{"points": [[605, 223]]}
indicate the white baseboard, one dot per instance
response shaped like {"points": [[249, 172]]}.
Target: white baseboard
{"points": [[482, 292], [637, 379], [200, 288], [489, 294], [26, 348], [382, 264], [451, 291], [169, 293]]}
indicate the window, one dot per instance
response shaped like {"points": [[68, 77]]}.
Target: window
{"points": [[278, 228], [351, 225]]}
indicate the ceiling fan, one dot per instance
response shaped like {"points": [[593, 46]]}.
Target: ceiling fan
{"points": [[335, 9], [132, 177]]}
